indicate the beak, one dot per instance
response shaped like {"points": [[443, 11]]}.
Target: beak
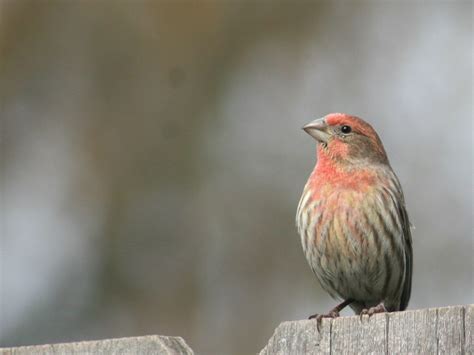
{"points": [[318, 130]]}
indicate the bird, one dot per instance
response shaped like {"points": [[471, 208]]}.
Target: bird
{"points": [[352, 220]]}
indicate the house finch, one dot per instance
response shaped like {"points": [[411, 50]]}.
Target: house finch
{"points": [[352, 219]]}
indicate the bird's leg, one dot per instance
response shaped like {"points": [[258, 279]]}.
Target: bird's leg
{"points": [[380, 308], [333, 313]]}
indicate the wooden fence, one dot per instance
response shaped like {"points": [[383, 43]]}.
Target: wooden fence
{"points": [[447, 330]]}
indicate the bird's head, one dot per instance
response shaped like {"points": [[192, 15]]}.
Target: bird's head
{"points": [[346, 140]]}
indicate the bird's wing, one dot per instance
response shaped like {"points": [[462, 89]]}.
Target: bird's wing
{"points": [[408, 258], [406, 230]]}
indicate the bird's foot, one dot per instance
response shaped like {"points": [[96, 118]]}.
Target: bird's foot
{"points": [[333, 313], [319, 317], [380, 308]]}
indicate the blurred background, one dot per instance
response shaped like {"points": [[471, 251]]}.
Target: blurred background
{"points": [[152, 158]]}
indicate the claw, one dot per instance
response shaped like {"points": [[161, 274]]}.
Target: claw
{"points": [[319, 318], [380, 308], [333, 313]]}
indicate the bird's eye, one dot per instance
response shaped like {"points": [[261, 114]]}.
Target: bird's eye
{"points": [[346, 129]]}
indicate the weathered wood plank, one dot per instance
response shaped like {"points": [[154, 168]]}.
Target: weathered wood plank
{"points": [[447, 330], [152, 344], [350, 335], [300, 337], [450, 330], [413, 332], [469, 329]]}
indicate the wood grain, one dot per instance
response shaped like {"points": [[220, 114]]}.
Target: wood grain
{"points": [[152, 344], [447, 330]]}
